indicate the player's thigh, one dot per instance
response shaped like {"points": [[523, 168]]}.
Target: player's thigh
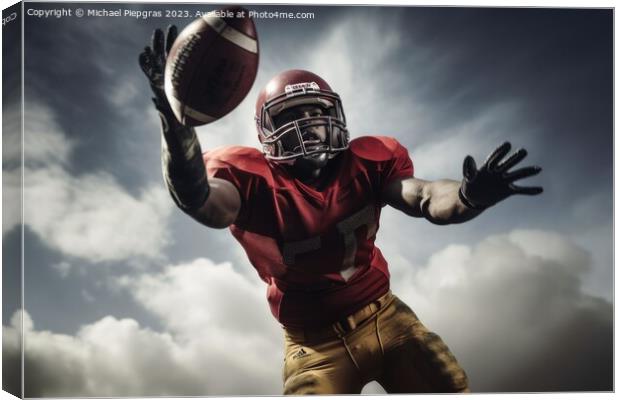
{"points": [[417, 360], [319, 369]]}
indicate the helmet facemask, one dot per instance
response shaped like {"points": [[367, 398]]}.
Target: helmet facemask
{"points": [[286, 142]]}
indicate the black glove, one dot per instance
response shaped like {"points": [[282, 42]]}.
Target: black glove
{"points": [[182, 163], [153, 63], [492, 183]]}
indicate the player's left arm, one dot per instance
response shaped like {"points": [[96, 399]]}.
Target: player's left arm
{"points": [[448, 201]]}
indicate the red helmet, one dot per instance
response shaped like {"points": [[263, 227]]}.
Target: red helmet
{"points": [[290, 89]]}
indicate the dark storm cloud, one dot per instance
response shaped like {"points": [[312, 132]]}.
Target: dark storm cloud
{"points": [[78, 66], [11, 274], [556, 63], [581, 359]]}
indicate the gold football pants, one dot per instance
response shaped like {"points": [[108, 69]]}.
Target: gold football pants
{"points": [[385, 341]]}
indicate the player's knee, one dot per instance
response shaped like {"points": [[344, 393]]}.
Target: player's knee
{"points": [[303, 383], [449, 374]]}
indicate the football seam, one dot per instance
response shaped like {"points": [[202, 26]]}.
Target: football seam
{"points": [[195, 75], [182, 57], [231, 34]]}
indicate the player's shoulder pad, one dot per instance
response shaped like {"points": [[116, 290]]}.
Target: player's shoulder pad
{"points": [[246, 159], [374, 148]]}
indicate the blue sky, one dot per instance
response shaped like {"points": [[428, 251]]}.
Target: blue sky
{"points": [[118, 280]]}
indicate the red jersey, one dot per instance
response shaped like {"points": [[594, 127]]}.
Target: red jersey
{"points": [[314, 248]]}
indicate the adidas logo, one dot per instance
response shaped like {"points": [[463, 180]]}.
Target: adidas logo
{"points": [[301, 353]]}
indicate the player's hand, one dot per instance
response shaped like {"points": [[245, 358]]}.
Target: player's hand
{"points": [[153, 58], [492, 182]]}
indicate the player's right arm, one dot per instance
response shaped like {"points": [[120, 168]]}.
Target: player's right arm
{"points": [[211, 201]]}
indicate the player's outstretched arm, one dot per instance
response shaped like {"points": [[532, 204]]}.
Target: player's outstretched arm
{"points": [[213, 202], [448, 201]]}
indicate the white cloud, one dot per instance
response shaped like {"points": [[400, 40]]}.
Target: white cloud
{"points": [[87, 296], [102, 360], [225, 319], [511, 305], [11, 200], [478, 137], [11, 134], [93, 217], [21, 319], [63, 268], [599, 240], [591, 215], [44, 142], [220, 339], [88, 216], [181, 295], [11, 174], [11, 356], [124, 93]]}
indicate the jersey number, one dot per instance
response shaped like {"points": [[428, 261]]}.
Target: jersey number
{"points": [[347, 227]]}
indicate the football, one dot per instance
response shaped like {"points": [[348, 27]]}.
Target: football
{"points": [[211, 66]]}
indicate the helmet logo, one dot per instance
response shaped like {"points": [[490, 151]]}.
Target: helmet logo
{"points": [[302, 86]]}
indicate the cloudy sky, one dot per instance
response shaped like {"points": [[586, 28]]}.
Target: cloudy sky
{"points": [[127, 296]]}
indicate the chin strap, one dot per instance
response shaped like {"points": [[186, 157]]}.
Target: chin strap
{"points": [[181, 157]]}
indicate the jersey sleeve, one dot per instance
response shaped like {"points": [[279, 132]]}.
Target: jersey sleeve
{"points": [[383, 158], [398, 166], [241, 167]]}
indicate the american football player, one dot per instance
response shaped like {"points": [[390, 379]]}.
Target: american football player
{"points": [[306, 210]]}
